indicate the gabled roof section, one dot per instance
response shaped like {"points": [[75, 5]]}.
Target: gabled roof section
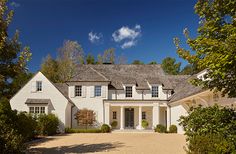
{"points": [[87, 73]]}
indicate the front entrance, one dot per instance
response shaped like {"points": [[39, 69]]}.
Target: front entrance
{"points": [[129, 118]]}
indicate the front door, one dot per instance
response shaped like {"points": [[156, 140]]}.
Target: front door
{"points": [[129, 117]]}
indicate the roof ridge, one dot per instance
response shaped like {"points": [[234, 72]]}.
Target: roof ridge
{"points": [[99, 73]]}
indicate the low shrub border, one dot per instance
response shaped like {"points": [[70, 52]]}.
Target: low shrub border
{"points": [[160, 128], [172, 129], [72, 130]]}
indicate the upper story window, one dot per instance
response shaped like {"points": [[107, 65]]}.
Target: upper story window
{"points": [[78, 90], [38, 85], [128, 91], [154, 91], [97, 91]]}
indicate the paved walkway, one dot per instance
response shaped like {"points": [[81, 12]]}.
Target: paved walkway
{"points": [[125, 143]]}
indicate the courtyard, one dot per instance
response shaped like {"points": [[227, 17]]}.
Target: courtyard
{"points": [[118, 142]]}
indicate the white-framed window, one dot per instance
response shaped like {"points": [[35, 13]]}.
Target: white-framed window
{"points": [[37, 109], [114, 115], [78, 90], [38, 85], [143, 115], [97, 91], [128, 91], [154, 91]]}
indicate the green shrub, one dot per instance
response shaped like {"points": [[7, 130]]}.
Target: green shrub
{"points": [[172, 129], [210, 130], [144, 124], [105, 128], [114, 124], [71, 130], [160, 128], [47, 124]]}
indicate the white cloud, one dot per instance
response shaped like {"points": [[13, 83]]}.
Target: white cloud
{"points": [[128, 44], [127, 36], [94, 37]]}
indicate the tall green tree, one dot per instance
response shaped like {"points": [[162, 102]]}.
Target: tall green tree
{"points": [[13, 57], [109, 56], [152, 62], [90, 59], [49, 68], [170, 66], [137, 62], [214, 47], [189, 69]]}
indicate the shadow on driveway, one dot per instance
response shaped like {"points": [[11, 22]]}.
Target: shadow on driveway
{"points": [[81, 148]]}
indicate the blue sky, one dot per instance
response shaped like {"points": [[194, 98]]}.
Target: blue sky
{"points": [[137, 29]]}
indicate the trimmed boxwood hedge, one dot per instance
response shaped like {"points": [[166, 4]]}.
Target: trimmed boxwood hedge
{"points": [[71, 130]]}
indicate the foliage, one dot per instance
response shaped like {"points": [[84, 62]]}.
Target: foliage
{"points": [[13, 58], [214, 126], [90, 59], [71, 130], [49, 68], [153, 62], [85, 117], [160, 128], [170, 66], [114, 124], [47, 124], [109, 56], [105, 128], [137, 62], [172, 129], [144, 124], [214, 46]]}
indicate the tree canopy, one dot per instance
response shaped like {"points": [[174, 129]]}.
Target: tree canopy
{"points": [[214, 48], [170, 66]]}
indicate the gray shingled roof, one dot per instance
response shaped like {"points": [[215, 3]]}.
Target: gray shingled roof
{"points": [[37, 101], [185, 89]]}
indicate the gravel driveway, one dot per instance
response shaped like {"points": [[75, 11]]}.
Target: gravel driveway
{"points": [[110, 143]]}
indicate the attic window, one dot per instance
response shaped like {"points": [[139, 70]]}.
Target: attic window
{"points": [[38, 85], [128, 91], [154, 91]]}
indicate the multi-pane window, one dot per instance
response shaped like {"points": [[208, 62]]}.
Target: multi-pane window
{"points": [[42, 109], [31, 109], [114, 115], [128, 91], [154, 91], [38, 85], [37, 109], [78, 90], [143, 115], [97, 91]]}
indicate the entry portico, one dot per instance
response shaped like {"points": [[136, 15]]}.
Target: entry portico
{"points": [[130, 113]]}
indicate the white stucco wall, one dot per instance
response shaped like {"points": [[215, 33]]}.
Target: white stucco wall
{"points": [[59, 102], [176, 112], [87, 100]]}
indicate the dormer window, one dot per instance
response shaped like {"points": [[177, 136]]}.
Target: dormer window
{"points": [[97, 91], [38, 85], [154, 91], [78, 90], [128, 91]]}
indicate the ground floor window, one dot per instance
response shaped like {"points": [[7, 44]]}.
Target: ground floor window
{"points": [[143, 115], [37, 109], [114, 115]]}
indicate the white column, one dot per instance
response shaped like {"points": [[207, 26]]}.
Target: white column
{"points": [[168, 117], [140, 117], [121, 117], [155, 115], [107, 113]]}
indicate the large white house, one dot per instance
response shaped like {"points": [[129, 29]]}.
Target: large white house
{"points": [[123, 93]]}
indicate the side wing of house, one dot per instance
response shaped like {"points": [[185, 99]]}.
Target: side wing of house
{"points": [[40, 95]]}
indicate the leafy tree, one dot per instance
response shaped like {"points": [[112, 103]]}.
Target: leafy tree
{"points": [[85, 117], [189, 70], [214, 126], [214, 46], [109, 56], [99, 59], [170, 66], [13, 58], [90, 59], [137, 62], [49, 68], [152, 62]]}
